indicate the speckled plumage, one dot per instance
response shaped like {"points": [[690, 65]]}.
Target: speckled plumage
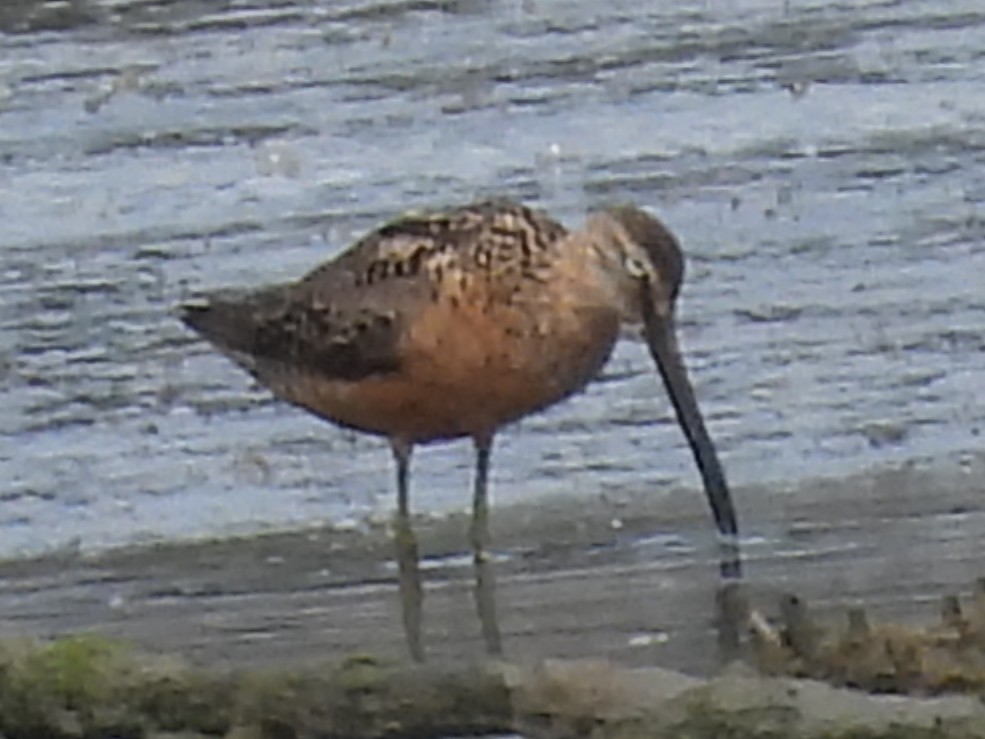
{"points": [[454, 323], [409, 332]]}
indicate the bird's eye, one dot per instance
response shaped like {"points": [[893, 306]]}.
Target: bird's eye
{"points": [[635, 268]]}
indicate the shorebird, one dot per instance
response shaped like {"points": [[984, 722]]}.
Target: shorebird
{"points": [[454, 323]]}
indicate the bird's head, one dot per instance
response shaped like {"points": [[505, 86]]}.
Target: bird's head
{"points": [[644, 260], [642, 255]]}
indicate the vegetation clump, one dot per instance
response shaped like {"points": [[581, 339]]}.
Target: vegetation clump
{"points": [[89, 687], [946, 657]]}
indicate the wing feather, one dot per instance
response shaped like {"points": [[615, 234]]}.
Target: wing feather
{"points": [[344, 320]]}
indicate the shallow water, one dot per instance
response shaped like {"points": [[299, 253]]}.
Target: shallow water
{"points": [[821, 162]]}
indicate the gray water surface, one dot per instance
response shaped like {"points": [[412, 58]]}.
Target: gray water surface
{"points": [[823, 164]]}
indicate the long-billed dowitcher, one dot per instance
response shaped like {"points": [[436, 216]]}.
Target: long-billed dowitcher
{"points": [[454, 323]]}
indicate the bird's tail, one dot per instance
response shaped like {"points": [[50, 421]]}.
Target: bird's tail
{"points": [[230, 319]]}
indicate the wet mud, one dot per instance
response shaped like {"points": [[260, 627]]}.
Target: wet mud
{"points": [[630, 579]]}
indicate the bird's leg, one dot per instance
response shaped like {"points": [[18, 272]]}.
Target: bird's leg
{"points": [[732, 619], [411, 595], [485, 583]]}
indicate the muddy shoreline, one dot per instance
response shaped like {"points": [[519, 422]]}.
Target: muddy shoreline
{"points": [[631, 579]]}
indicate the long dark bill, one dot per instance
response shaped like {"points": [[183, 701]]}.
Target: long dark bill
{"points": [[662, 340]]}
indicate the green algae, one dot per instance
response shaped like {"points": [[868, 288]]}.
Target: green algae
{"points": [[70, 687], [87, 686]]}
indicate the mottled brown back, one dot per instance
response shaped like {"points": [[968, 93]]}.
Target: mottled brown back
{"points": [[344, 319]]}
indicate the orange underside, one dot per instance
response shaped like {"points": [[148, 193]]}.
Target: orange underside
{"points": [[465, 374]]}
